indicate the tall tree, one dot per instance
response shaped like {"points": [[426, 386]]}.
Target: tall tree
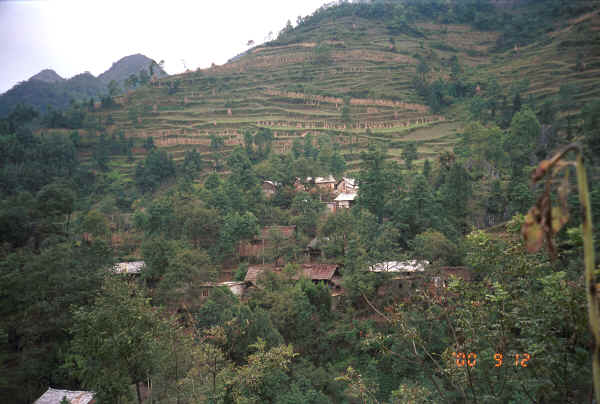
{"points": [[115, 342], [216, 146], [373, 184], [409, 154]]}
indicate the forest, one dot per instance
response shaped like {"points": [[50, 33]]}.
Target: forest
{"points": [[79, 195]]}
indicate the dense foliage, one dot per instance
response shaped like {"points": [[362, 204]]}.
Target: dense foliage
{"points": [[77, 195]]}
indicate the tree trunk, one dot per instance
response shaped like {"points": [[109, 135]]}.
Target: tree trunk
{"points": [[137, 390]]}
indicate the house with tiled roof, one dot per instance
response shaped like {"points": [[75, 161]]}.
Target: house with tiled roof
{"points": [[328, 274]]}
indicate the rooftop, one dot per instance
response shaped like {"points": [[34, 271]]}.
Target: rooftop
{"points": [[399, 266], [351, 182], [133, 267], [315, 272], [345, 197], [323, 180], [55, 396]]}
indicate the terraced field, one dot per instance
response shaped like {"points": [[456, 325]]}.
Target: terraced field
{"points": [[304, 87]]}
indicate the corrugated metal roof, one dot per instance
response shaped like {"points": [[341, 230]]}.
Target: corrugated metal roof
{"points": [[345, 197], [54, 396], [399, 266], [133, 267]]}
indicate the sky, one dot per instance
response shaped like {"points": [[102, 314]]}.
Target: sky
{"points": [[74, 36]]}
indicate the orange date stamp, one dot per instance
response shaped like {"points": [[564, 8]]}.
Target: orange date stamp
{"points": [[471, 359]]}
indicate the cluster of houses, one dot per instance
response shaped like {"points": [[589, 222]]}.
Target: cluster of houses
{"points": [[344, 190], [403, 277]]}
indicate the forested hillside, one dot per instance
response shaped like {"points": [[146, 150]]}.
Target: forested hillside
{"points": [[335, 216]]}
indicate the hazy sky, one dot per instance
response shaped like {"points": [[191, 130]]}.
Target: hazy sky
{"points": [[71, 37]]}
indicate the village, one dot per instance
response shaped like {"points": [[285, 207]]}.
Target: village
{"points": [[399, 279]]}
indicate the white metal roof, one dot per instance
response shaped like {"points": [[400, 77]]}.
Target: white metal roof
{"points": [[345, 197], [351, 182], [399, 266], [55, 396], [133, 267]]}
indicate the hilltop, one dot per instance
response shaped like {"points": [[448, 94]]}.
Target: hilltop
{"points": [[125, 67], [47, 75]]}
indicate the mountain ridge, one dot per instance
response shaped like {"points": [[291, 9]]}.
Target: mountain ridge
{"points": [[48, 88], [47, 75]]}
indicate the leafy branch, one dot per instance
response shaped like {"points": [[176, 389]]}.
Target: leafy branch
{"points": [[543, 221]]}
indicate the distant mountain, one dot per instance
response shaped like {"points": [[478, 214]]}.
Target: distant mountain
{"points": [[127, 66], [47, 75], [47, 88]]}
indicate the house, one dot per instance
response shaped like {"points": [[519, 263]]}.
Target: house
{"points": [[328, 274], [344, 201], [55, 396], [129, 268], [325, 183], [299, 186], [330, 206], [265, 240], [318, 273], [237, 288], [404, 276], [443, 275], [269, 187], [347, 186]]}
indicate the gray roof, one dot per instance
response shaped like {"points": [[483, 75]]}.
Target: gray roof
{"points": [[54, 396], [399, 266], [134, 267]]}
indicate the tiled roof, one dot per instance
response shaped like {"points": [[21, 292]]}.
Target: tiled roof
{"points": [[317, 272], [314, 272]]}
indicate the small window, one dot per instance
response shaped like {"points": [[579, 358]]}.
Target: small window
{"points": [[204, 292], [399, 285]]}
